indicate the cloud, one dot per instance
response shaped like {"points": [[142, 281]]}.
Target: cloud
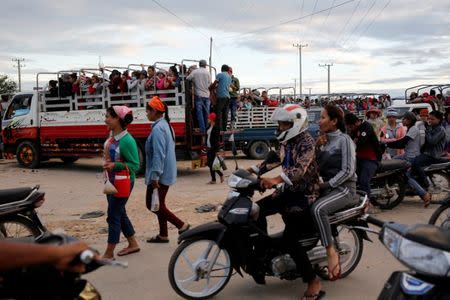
{"points": [[393, 80]]}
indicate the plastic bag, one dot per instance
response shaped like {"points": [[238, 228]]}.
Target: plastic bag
{"points": [[108, 188], [155, 201], [222, 163], [216, 164]]}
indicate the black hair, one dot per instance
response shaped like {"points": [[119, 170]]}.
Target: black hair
{"points": [[432, 93], [335, 113], [225, 68], [123, 122], [151, 68], [438, 115], [411, 117], [174, 70], [351, 119]]}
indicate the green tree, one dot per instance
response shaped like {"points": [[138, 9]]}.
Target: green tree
{"points": [[7, 86]]}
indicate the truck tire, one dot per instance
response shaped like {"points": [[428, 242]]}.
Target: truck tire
{"points": [[141, 154], [258, 150], [28, 155], [69, 159]]}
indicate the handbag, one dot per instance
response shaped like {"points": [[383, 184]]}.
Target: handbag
{"points": [[122, 183], [108, 188]]}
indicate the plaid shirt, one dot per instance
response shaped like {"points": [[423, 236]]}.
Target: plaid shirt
{"points": [[298, 160]]}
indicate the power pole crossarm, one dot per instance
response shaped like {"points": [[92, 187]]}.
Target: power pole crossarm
{"points": [[300, 46], [328, 68], [19, 67]]}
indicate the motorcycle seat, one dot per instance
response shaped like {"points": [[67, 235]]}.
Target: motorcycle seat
{"points": [[13, 195], [438, 166], [392, 164], [444, 159], [429, 235]]}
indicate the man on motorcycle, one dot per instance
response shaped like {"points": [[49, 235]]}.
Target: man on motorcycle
{"points": [[298, 178]]}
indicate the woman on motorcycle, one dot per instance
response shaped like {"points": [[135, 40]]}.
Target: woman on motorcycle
{"points": [[337, 164], [299, 176]]}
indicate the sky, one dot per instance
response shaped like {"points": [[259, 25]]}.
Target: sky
{"points": [[373, 45]]}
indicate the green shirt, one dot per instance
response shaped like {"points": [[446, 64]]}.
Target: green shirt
{"points": [[129, 155], [234, 87]]}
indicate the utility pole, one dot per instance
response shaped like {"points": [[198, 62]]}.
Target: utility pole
{"points": [[309, 92], [300, 46], [210, 55], [328, 67], [19, 66], [295, 87]]}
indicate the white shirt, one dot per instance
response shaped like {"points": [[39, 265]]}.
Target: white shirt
{"points": [[201, 79]]}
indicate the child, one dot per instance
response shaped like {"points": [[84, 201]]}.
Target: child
{"points": [[212, 143]]}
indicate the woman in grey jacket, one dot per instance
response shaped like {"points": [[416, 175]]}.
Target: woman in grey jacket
{"points": [[337, 163]]}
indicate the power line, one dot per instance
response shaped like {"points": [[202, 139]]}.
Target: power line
{"points": [[326, 19], [359, 23], [179, 18], [347, 22], [314, 9], [299, 25], [289, 21]]}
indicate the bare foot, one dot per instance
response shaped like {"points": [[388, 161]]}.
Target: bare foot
{"points": [[312, 290], [221, 179], [334, 267]]}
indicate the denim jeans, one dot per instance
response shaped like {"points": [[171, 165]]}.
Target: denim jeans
{"points": [[411, 181], [365, 169], [233, 108], [202, 107], [419, 163], [118, 219]]}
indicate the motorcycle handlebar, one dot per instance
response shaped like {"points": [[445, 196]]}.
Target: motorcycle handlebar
{"points": [[374, 221]]}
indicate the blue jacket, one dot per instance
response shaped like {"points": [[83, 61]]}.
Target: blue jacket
{"points": [[160, 154]]}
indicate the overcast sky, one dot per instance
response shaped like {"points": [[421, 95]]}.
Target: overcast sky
{"points": [[374, 45]]}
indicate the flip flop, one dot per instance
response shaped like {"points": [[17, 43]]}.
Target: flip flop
{"points": [[127, 251], [187, 228], [157, 240], [317, 296]]}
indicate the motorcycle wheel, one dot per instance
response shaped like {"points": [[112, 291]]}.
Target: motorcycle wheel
{"points": [[350, 248], [199, 269], [441, 216], [17, 227], [440, 186], [386, 202]]}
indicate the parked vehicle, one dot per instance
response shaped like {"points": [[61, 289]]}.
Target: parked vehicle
{"points": [[204, 261], [441, 216], [390, 185], [425, 250], [46, 282], [18, 216]]}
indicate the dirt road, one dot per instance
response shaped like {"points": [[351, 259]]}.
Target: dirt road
{"points": [[77, 189]]}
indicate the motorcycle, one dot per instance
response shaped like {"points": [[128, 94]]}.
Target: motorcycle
{"points": [[18, 216], [389, 186], [425, 250], [47, 282], [441, 216], [203, 263]]}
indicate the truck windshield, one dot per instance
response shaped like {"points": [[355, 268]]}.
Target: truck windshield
{"points": [[20, 106]]}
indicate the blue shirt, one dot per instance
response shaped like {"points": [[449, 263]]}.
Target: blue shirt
{"points": [[223, 88], [161, 162]]}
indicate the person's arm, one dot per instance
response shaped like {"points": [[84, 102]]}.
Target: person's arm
{"points": [[265, 167], [348, 163], [190, 76], [129, 154], [399, 144], [17, 255], [306, 154], [159, 144]]}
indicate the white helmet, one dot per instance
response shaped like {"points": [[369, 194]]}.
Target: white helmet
{"points": [[292, 113]]}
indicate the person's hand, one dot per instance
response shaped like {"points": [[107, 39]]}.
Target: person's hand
{"points": [[66, 254], [269, 183], [321, 140], [155, 184], [109, 166]]}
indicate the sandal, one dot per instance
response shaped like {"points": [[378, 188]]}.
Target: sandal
{"points": [[157, 240], [426, 199], [317, 296], [127, 251], [211, 182], [333, 277], [183, 230]]}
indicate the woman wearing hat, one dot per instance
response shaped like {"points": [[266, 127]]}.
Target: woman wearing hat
{"points": [[121, 154], [212, 143], [393, 132], [161, 167], [374, 118]]}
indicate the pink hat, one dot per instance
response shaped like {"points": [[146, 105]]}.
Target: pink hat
{"points": [[122, 111]]}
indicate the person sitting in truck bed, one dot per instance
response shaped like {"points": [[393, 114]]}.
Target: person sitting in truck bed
{"points": [[52, 89], [267, 101]]}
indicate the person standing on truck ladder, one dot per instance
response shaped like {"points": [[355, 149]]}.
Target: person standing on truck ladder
{"points": [[223, 81]]}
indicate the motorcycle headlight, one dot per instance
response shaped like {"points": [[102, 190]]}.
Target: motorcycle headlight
{"points": [[422, 258], [238, 182]]}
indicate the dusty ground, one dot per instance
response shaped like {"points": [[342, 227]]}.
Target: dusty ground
{"points": [[72, 190]]}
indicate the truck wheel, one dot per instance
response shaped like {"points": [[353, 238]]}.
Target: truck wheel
{"points": [[28, 155], [141, 154], [69, 159], [258, 150]]}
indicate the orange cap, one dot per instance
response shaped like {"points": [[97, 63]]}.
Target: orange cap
{"points": [[157, 104], [423, 112]]}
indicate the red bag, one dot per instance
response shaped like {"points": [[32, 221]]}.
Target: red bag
{"points": [[122, 183]]}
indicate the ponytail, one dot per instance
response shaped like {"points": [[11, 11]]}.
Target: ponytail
{"points": [[167, 118]]}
